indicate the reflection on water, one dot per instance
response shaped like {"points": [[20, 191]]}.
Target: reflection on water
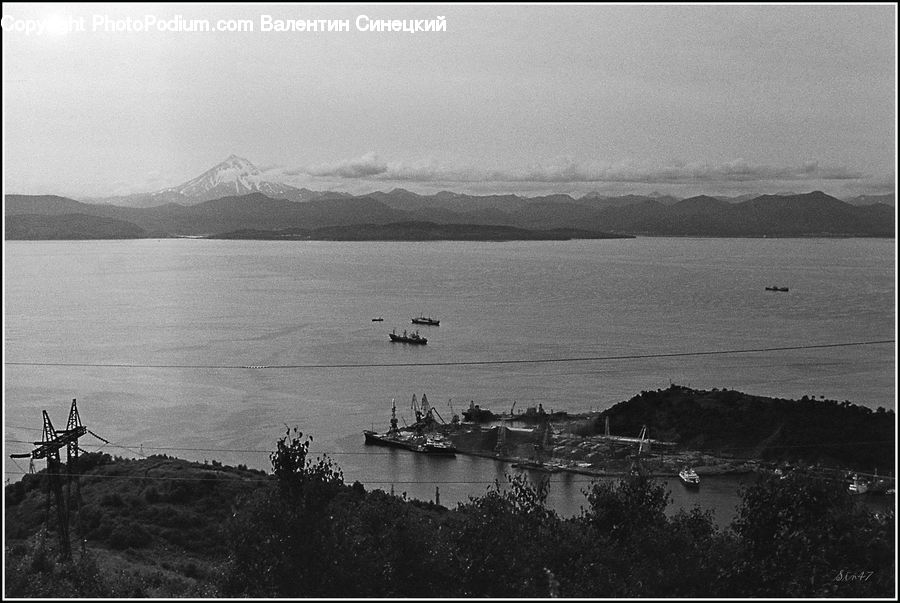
{"points": [[718, 494]]}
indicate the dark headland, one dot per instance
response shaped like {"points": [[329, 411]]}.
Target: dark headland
{"points": [[419, 231], [165, 527], [715, 431]]}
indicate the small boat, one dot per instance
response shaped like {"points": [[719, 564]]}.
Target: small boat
{"points": [[410, 338], [439, 445], [426, 320], [858, 486], [379, 319], [777, 289], [689, 478]]}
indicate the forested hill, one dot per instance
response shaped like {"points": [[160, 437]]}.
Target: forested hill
{"points": [[69, 227], [807, 430]]}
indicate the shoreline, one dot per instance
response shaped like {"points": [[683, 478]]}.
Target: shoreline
{"points": [[748, 466]]}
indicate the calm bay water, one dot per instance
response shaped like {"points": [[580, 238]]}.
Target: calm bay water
{"points": [[179, 317]]}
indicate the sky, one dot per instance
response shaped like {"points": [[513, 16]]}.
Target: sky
{"points": [[525, 99]]}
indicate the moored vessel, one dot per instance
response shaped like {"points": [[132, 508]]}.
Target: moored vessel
{"points": [[858, 485], [419, 437], [689, 478], [394, 437], [395, 440], [439, 445]]}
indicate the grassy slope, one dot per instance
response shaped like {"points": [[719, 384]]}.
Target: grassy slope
{"points": [[155, 524], [154, 527]]}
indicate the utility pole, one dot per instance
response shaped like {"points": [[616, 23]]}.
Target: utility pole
{"points": [[73, 425], [48, 448]]}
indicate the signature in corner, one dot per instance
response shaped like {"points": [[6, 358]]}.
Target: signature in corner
{"points": [[860, 576]]}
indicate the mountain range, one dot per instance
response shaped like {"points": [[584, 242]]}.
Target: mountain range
{"points": [[237, 176], [235, 196]]}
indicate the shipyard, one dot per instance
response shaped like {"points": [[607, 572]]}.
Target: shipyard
{"points": [[551, 441]]}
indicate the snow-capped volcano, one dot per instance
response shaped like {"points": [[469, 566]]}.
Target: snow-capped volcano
{"points": [[234, 176]]}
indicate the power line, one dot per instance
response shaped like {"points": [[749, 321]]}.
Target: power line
{"points": [[455, 363], [159, 477], [122, 447], [17, 465], [271, 478], [269, 451], [374, 453], [388, 453]]}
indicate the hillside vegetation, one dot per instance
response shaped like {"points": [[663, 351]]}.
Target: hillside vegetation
{"points": [[162, 527]]}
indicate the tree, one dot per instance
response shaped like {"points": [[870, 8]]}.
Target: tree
{"points": [[279, 541], [626, 507], [510, 533], [801, 534]]}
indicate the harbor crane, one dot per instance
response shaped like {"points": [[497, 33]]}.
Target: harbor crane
{"points": [[637, 467], [454, 418]]}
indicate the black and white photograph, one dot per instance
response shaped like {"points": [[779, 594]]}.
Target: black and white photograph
{"points": [[449, 301]]}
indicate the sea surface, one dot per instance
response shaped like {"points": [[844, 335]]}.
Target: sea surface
{"points": [[208, 349]]}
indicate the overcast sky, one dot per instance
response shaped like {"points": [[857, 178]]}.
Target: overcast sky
{"points": [[523, 99]]}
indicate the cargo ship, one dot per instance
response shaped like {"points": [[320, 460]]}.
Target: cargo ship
{"points": [[410, 338], [426, 320]]}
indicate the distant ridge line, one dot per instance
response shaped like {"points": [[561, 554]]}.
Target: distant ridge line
{"points": [[456, 363]]}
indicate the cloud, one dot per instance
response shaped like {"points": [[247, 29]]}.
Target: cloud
{"points": [[738, 170], [573, 171], [367, 166], [568, 173]]}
